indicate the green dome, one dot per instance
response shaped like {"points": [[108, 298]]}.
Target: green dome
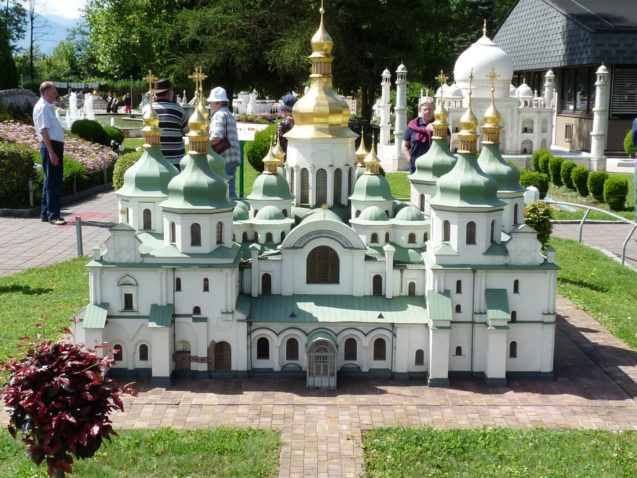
{"points": [[373, 213], [217, 163], [239, 204], [466, 185], [197, 186], [435, 163], [360, 170], [372, 187], [410, 213], [492, 163], [270, 186], [270, 213], [149, 176], [321, 215], [239, 214]]}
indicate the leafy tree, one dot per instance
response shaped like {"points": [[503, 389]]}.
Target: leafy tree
{"points": [[63, 63], [8, 75], [14, 18]]}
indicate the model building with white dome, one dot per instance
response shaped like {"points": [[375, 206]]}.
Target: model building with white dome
{"points": [[321, 272]]}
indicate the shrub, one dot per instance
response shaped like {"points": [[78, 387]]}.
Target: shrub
{"points": [[566, 172], [555, 169], [579, 176], [535, 159], [124, 162], [16, 167], [532, 178], [92, 131], [114, 134], [257, 149], [629, 147], [59, 400], [595, 184], [615, 192], [538, 215]]}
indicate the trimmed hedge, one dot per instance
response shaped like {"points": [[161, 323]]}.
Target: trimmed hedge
{"points": [[615, 192], [535, 159], [124, 162], [114, 134], [256, 150], [579, 176], [629, 147], [555, 169], [92, 131], [595, 184], [533, 178], [566, 174], [16, 167], [544, 162]]}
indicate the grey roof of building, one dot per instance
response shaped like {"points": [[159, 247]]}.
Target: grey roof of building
{"points": [[541, 34]]}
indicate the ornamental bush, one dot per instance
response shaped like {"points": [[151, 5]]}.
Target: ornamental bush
{"points": [[555, 169], [543, 162], [16, 167], [535, 159], [92, 131], [566, 174], [579, 176], [59, 400], [629, 147], [257, 149], [124, 162], [114, 134], [595, 184], [532, 178], [538, 215], [615, 192]]}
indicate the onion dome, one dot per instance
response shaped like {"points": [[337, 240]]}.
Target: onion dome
{"points": [[372, 187], [401, 69], [492, 163], [468, 135], [240, 214], [524, 91], [270, 213], [270, 184], [410, 213], [198, 135], [217, 163], [270, 163], [361, 152], [278, 152], [321, 113], [386, 72], [372, 163], [150, 131], [492, 118], [373, 213]]}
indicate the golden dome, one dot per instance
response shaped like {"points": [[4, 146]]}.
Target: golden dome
{"points": [[278, 152], [322, 41], [270, 162], [372, 162], [492, 116], [150, 116], [361, 152], [468, 136]]}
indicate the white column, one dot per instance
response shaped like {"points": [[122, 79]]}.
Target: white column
{"points": [[400, 109], [385, 105], [95, 284], [330, 185], [438, 356], [389, 270], [161, 352], [549, 88], [297, 185], [600, 120], [312, 186], [162, 287], [496, 356], [254, 253]]}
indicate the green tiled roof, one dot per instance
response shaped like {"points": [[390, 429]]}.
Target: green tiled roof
{"points": [[320, 334], [402, 254], [337, 308], [95, 316], [435, 163], [497, 304], [149, 176], [492, 163], [161, 315], [270, 186], [439, 305], [372, 187]]}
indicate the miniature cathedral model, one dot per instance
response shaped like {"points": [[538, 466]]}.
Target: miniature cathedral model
{"points": [[320, 272]]}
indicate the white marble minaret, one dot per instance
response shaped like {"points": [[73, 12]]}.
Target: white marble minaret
{"points": [[600, 120], [385, 106], [400, 110], [549, 88]]}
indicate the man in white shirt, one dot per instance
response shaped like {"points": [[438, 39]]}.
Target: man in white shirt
{"points": [[51, 134]]}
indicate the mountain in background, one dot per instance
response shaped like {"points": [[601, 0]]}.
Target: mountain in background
{"points": [[50, 30]]}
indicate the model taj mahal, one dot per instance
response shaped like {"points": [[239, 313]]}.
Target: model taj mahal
{"points": [[320, 272]]}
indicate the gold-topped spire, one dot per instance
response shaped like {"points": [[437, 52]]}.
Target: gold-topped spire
{"points": [[270, 162], [468, 135], [484, 28], [441, 114], [150, 131], [322, 41], [198, 121], [372, 163], [361, 152], [278, 152], [492, 116]]}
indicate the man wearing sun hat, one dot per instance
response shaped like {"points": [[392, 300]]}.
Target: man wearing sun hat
{"points": [[172, 121], [223, 130]]}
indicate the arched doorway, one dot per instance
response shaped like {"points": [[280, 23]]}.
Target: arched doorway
{"points": [[321, 369], [219, 356]]}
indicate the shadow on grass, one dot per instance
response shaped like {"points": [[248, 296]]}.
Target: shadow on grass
{"points": [[583, 284], [24, 289]]}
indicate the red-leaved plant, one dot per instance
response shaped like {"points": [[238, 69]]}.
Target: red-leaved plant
{"points": [[58, 398]]}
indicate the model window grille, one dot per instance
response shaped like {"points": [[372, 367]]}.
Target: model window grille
{"points": [[358, 213], [256, 236], [377, 285], [322, 266], [178, 284], [386, 238], [350, 349], [446, 231], [492, 231], [118, 354], [374, 239], [206, 285], [143, 352], [147, 216], [516, 286], [128, 301], [285, 213], [173, 233], [380, 349], [349, 181], [513, 349], [458, 350], [411, 238], [514, 316], [321, 187], [219, 232], [420, 357], [471, 232], [411, 288], [305, 186], [196, 310], [421, 202], [458, 287], [282, 235], [292, 181], [458, 308], [292, 349], [338, 184], [244, 237], [425, 238], [195, 234], [266, 284], [268, 237], [515, 215], [263, 349]]}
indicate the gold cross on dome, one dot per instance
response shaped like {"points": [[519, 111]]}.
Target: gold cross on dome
{"points": [[198, 76], [493, 75], [150, 78], [442, 78]]}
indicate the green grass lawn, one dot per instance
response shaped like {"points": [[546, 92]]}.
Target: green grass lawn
{"points": [[499, 452], [221, 452]]}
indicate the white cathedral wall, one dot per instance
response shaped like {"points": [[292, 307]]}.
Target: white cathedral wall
{"points": [[529, 339], [460, 336], [417, 276], [272, 267]]}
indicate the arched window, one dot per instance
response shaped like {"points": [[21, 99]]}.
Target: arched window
{"points": [[322, 266], [178, 284], [516, 286], [196, 310], [128, 301], [377, 285], [358, 213], [412, 238], [244, 237], [338, 184], [458, 287], [349, 181], [285, 213], [380, 352], [471, 232], [256, 236], [173, 233], [446, 231], [118, 354], [263, 349], [411, 288], [350, 349], [305, 186], [421, 203], [458, 350], [458, 308], [425, 238], [195, 234], [292, 349], [386, 237], [420, 357], [206, 285], [282, 235], [321, 187], [143, 352], [291, 181], [268, 237], [255, 212], [515, 215], [374, 239], [513, 349], [219, 232], [514, 316], [492, 231], [266, 284], [148, 223]]}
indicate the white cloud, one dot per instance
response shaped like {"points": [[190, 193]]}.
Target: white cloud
{"points": [[62, 8]]}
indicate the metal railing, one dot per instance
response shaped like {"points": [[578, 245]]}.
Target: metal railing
{"points": [[608, 213]]}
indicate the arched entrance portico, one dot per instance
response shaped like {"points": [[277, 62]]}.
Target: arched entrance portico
{"points": [[321, 355]]}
